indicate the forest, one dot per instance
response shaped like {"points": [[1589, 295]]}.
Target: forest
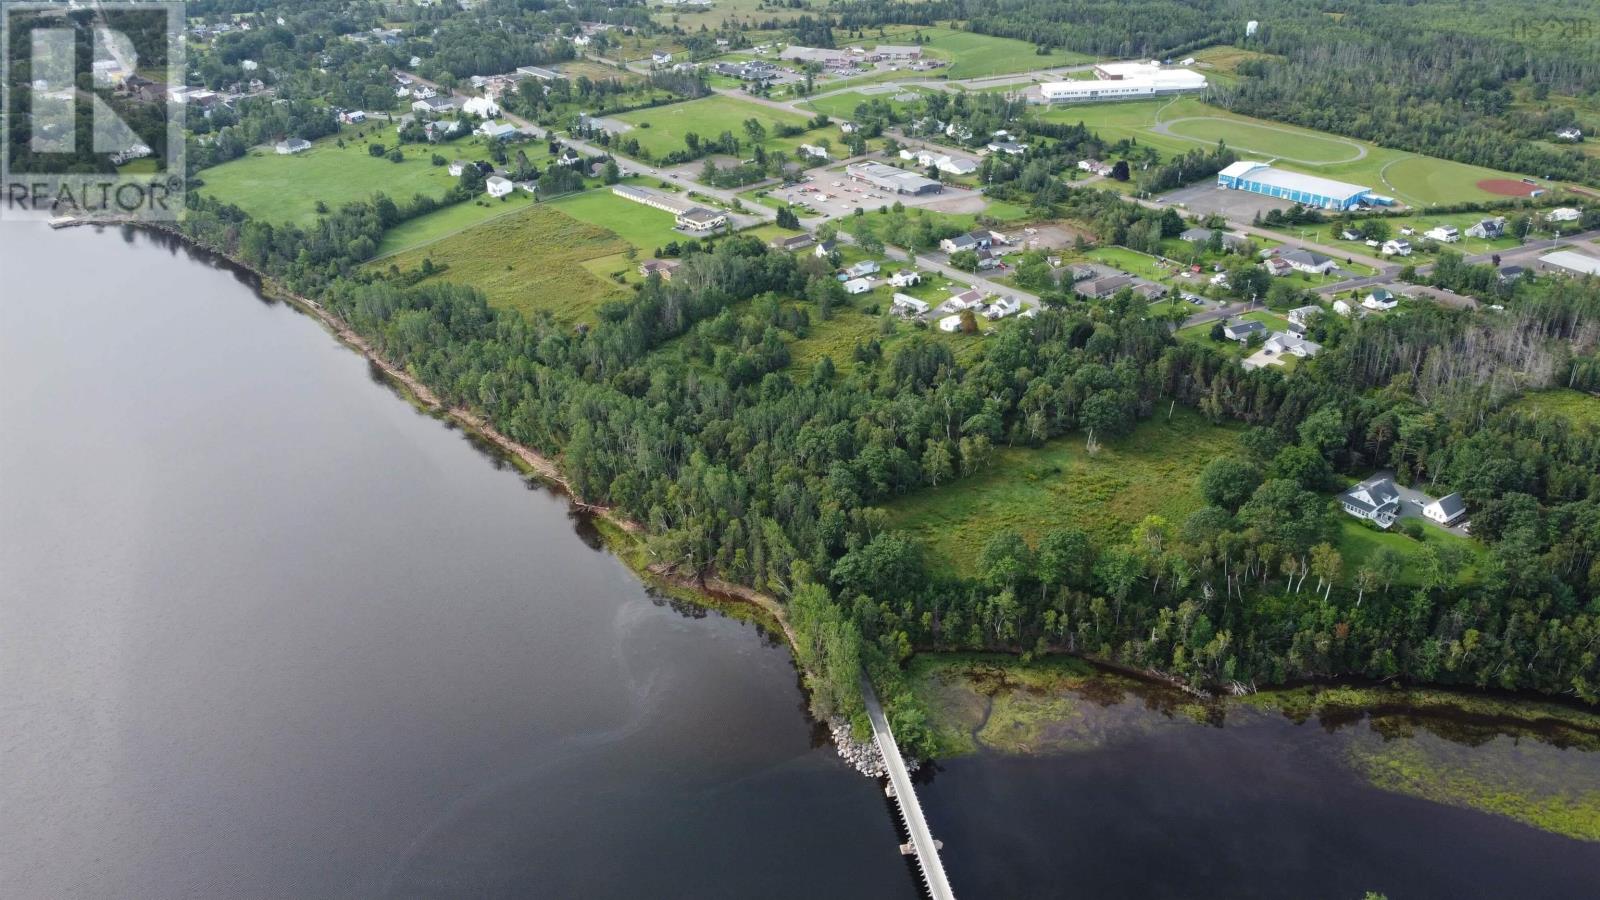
{"points": [[676, 409]]}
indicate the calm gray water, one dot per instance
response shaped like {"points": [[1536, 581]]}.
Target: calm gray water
{"points": [[266, 631]]}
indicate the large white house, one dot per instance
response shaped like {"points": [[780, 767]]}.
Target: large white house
{"points": [[498, 186], [1377, 500]]}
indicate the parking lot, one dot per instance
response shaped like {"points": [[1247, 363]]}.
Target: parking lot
{"points": [[1206, 199], [834, 194]]}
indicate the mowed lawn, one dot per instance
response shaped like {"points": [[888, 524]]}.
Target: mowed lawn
{"points": [[974, 55], [1033, 490], [645, 227], [1357, 543], [1413, 179], [285, 189], [707, 117], [531, 261], [455, 218]]}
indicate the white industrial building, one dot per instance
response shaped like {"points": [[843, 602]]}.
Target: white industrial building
{"points": [[1120, 81], [1571, 262]]}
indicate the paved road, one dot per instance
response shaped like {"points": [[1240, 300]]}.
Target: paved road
{"points": [[905, 796]]}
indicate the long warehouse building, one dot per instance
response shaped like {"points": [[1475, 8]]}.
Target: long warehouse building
{"points": [[1121, 81], [1307, 190], [891, 179]]}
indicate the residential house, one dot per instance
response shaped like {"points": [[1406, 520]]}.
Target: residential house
{"points": [[825, 248], [1489, 229], [497, 186], [538, 72], [1095, 167], [1444, 234], [660, 59], [1005, 306], [292, 145], [498, 131], [950, 324], [698, 218], [862, 269], [1377, 500], [905, 278], [1243, 330], [1563, 214], [908, 306], [353, 116], [1103, 286], [1342, 308], [1446, 510], [972, 240], [1230, 240], [1510, 273], [793, 242], [433, 106], [955, 165], [1381, 299], [1309, 262], [1396, 247], [1571, 133], [457, 166], [1009, 148], [1149, 290], [987, 259], [857, 286], [1302, 316], [662, 267], [1288, 343], [815, 152], [968, 299]]}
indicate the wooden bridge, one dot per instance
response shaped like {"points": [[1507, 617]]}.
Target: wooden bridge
{"points": [[905, 796]]}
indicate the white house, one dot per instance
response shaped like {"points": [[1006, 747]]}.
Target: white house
{"points": [[1303, 315], [1563, 214], [1243, 330], [905, 278], [815, 152], [482, 107], [1291, 344], [353, 116], [660, 59], [1446, 510], [1307, 261], [907, 305], [950, 324], [292, 145], [1003, 307], [1444, 234], [1489, 229], [498, 131], [862, 269], [857, 286], [1570, 133], [1380, 300], [497, 186], [1396, 247], [457, 167], [1377, 500], [1342, 308]]}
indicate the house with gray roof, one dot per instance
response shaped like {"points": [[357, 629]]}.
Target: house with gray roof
{"points": [[1377, 500], [1447, 510]]}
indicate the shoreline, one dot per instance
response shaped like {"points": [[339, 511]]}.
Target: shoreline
{"points": [[625, 538]]}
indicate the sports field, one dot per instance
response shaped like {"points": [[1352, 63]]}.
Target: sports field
{"points": [[531, 261], [661, 130], [1179, 125], [285, 189]]}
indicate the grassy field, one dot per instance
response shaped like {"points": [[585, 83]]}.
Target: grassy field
{"points": [[973, 55], [709, 117], [645, 227], [1415, 180], [533, 260], [1356, 544], [448, 221], [843, 105], [1575, 406], [1034, 490], [285, 189]]}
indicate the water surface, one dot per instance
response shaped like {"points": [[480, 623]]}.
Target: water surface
{"points": [[267, 631]]}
